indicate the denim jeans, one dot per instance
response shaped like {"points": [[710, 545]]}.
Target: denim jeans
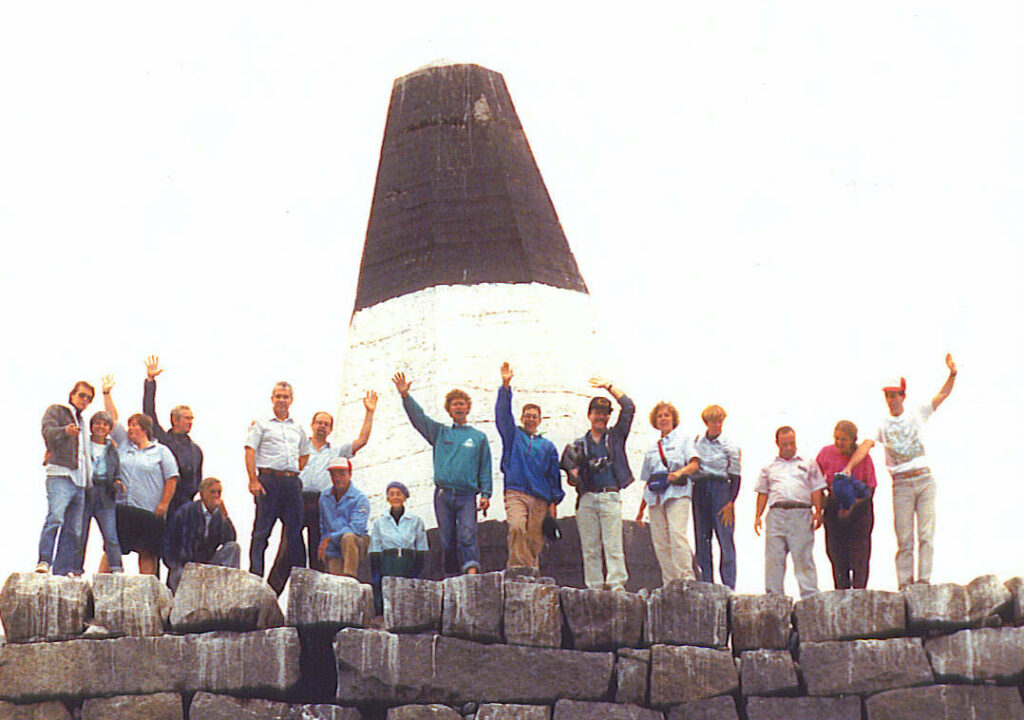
{"points": [[282, 500], [65, 504], [227, 555], [710, 496], [100, 505], [456, 524]]}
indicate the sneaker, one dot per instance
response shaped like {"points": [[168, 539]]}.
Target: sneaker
{"points": [[42, 567], [117, 570], [74, 575]]}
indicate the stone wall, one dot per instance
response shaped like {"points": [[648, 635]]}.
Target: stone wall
{"points": [[503, 646]]}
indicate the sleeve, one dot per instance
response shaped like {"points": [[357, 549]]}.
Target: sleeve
{"points": [[421, 537], [815, 478], [229, 531], [120, 437], [925, 411], [761, 486], [172, 538], [51, 426], [149, 406], [252, 437], [376, 545], [361, 517], [626, 411], [503, 416], [424, 425], [484, 479], [647, 467], [325, 525], [305, 446], [199, 465], [344, 450], [735, 457], [168, 465], [553, 476]]}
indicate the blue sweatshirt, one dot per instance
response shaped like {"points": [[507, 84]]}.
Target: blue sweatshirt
{"points": [[530, 462], [462, 454]]}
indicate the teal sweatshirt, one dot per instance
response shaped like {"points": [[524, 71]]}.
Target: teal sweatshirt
{"points": [[462, 455]]}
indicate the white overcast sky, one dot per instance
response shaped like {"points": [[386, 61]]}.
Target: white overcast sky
{"points": [[774, 205]]}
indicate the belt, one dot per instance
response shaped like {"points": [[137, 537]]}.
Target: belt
{"points": [[790, 505], [910, 474], [397, 552], [279, 473], [603, 490]]}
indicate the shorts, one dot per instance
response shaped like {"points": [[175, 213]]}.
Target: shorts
{"points": [[139, 530]]}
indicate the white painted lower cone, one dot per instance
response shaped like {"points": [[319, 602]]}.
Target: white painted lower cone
{"points": [[453, 336]]}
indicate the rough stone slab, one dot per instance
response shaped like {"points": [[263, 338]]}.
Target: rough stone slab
{"points": [[603, 619], [472, 607], [974, 655], [716, 708], [206, 706], [319, 600], [680, 673], [862, 667], [423, 712], [951, 606], [768, 672], [375, 666], [37, 606], [533, 614], [160, 706], [850, 615], [51, 710], [632, 669], [947, 702], [1016, 587], [411, 604], [258, 662], [761, 622], [576, 710], [805, 708], [210, 597], [496, 711], [688, 613], [131, 604]]}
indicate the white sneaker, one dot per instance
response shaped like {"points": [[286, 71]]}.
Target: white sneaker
{"points": [[43, 567]]}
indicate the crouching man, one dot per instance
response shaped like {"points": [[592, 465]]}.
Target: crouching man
{"points": [[344, 515], [200, 531]]}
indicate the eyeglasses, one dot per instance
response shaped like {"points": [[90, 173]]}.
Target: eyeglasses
{"points": [[84, 396]]}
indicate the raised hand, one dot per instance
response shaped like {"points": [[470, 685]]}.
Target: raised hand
{"points": [[370, 401], [600, 382], [506, 374], [401, 384], [107, 383], [153, 367], [950, 364]]}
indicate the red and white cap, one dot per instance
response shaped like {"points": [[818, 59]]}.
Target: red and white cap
{"points": [[897, 384], [340, 463]]}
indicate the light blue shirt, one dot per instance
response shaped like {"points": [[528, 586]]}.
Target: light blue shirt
{"points": [[278, 443], [314, 476], [144, 470], [719, 458], [350, 514], [407, 534], [679, 450]]}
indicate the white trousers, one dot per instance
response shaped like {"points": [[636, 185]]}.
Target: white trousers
{"points": [[599, 521], [789, 532], [669, 520], [914, 497]]}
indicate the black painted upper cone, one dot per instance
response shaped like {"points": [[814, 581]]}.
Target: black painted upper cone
{"points": [[459, 199]]}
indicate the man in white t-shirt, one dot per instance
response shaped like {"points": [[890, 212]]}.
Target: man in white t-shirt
{"points": [[913, 487]]}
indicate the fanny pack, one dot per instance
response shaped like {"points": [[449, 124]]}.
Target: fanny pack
{"points": [[658, 482]]}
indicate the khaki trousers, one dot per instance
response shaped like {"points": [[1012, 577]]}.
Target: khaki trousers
{"points": [[525, 515], [599, 521], [914, 497], [669, 520], [353, 550]]}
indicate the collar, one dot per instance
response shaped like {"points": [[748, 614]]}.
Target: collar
{"points": [[275, 418], [534, 435], [795, 458]]}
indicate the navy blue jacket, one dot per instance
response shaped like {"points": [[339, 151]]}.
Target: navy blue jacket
{"points": [[575, 453], [186, 539], [188, 455], [529, 462]]}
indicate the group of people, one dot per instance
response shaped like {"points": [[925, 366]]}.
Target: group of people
{"points": [[140, 484]]}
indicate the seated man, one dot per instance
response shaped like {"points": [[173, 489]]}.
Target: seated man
{"points": [[200, 531], [344, 514]]}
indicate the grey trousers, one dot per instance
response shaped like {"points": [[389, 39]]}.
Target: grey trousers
{"points": [[914, 497], [789, 532], [228, 555]]}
